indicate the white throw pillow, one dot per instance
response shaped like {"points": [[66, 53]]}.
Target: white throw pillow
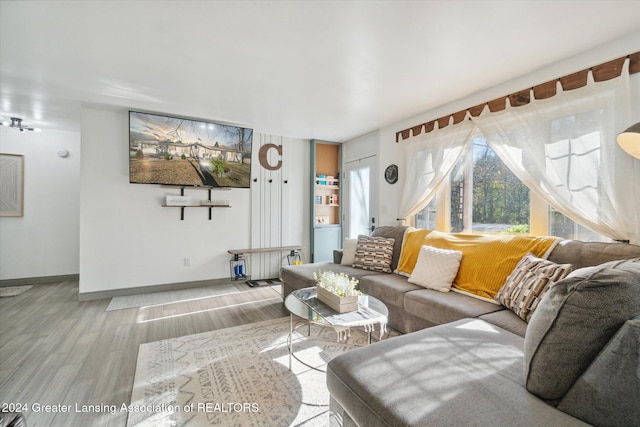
{"points": [[349, 251], [436, 268]]}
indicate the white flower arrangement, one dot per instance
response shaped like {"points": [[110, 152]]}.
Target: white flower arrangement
{"points": [[337, 283]]}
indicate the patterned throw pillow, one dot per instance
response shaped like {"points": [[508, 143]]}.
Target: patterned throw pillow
{"points": [[374, 253], [436, 268], [527, 284]]}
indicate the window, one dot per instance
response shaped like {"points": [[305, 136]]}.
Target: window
{"points": [[486, 197], [561, 226], [426, 218], [500, 199]]}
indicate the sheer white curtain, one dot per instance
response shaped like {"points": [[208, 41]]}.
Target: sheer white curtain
{"points": [[564, 148], [429, 158]]}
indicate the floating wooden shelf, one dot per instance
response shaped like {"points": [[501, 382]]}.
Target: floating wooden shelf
{"points": [[194, 206]]}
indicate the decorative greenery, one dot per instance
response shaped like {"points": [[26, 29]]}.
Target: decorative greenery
{"points": [[337, 283], [167, 156], [183, 157], [139, 154]]}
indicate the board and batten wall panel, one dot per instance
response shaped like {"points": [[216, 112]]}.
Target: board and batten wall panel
{"points": [[278, 202]]}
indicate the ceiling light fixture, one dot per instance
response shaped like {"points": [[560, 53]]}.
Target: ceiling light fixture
{"points": [[629, 141], [16, 123]]}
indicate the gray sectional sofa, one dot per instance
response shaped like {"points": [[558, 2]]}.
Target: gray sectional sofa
{"points": [[464, 361]]}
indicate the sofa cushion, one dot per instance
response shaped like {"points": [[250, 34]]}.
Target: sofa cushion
{"points": [[506, 319], [527, 284], [397, 234], [389, 288], [438, 307], [575, 320], [609, 391], [374, 254], [587, 254], [436, 268], [459, 374]]}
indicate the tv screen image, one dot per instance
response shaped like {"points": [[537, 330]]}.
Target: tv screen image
{"points": [[177, 151]]}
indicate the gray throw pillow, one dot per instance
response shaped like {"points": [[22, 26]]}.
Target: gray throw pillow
{"points": [[573, 323], [397, 234]]}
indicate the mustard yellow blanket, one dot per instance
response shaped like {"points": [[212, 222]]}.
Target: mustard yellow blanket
{"points": [[413, 241], [487, 260]]}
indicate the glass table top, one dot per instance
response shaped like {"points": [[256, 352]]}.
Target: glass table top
{"points": [[315, 311]]}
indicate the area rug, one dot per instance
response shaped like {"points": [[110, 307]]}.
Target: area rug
{"points": [[12, 291], [237, 377], [167, 297]]}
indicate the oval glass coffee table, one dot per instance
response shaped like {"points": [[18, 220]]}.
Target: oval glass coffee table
{"points": [[303, 303]]}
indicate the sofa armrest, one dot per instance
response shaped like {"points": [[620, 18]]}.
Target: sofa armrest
{"points": [[337, 256], [608, 392]]}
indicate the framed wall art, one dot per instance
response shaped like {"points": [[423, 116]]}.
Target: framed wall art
{"points": [[11, 185]]}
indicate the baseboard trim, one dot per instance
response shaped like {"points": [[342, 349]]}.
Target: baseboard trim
{"points": [[88, 296], [39, 280]]}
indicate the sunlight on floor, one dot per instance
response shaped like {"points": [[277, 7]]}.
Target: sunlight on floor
{"points": [[192, 299], [142, 311]]}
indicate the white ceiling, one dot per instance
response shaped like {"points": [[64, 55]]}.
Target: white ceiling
{"points": [[308, 69]]}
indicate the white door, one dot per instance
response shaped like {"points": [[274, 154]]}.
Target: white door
{"points": [[361, 196]]}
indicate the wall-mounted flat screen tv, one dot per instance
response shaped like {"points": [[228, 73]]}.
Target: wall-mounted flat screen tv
{"points": [[177, 151]]}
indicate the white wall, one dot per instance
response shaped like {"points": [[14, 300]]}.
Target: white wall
{"points": [[361, 147], [390, 195], [44, 242], [128, 240]]}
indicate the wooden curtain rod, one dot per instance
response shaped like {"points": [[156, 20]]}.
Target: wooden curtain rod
{"points": [[602, 72]]}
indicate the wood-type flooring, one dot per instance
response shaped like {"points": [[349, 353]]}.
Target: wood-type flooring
{"points": [[57, 351]]}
